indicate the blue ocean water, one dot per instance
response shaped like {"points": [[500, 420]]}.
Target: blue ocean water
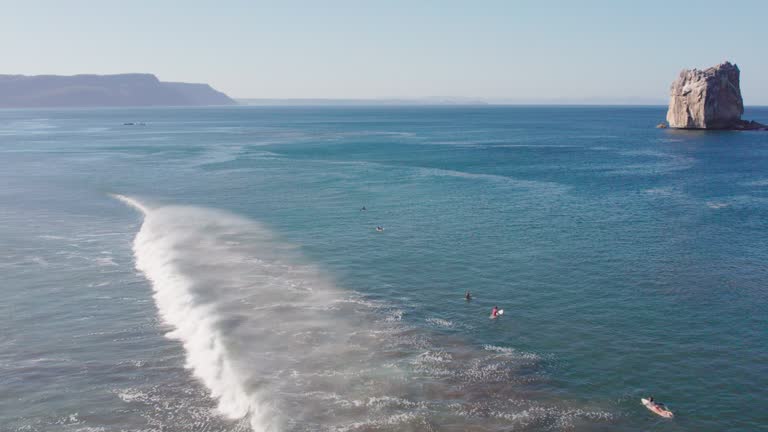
{"points": [[212, 269]]}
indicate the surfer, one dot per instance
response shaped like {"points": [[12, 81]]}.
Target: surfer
{"points": [[657, 407], [468, 296], [363, 209], [379, 229], [495, 312]]}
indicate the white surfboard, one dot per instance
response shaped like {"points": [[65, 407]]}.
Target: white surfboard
{"points": [[656, 408]]}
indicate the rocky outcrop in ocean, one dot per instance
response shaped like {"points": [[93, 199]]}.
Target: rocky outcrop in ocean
{"points": [[709, 99]]}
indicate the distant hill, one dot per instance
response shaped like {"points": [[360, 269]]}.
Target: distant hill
{"points": [[38, 91]]}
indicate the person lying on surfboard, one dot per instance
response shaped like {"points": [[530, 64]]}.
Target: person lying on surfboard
{"points": [[657, 407]]}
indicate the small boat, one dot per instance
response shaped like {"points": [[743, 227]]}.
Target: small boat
{"points": [[657, 408]]}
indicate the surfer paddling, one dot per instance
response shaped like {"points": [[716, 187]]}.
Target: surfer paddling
{"points": [[657, 407]]}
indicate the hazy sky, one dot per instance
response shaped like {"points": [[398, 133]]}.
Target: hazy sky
{"points": [[518, 50]]}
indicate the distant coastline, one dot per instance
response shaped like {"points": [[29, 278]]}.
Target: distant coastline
{"points": [[121, 90], [447, 101]]}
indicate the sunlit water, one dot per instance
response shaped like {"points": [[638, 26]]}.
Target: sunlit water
{"points": [[212, 270]]}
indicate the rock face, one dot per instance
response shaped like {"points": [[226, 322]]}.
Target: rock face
{"points": [[706, 99], [21, 91], [200, 94], [709, 99]]}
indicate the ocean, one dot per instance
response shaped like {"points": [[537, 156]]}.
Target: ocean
{"points": [[213, 269]]}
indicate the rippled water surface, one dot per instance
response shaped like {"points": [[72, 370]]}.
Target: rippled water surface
{"points": [[213, 270]]}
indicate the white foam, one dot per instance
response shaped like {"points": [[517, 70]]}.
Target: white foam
{"points": [[501, 180], [395, 316], [664, 191], [131, 395], [53, 237], [440, 322], [265, 333], [158, 251], [71, 419], [39, 261], [511, 352], [105, 261], [717, 205], [132, 202]]}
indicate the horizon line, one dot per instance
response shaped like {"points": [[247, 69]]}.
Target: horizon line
{"points": [[447, 102]]}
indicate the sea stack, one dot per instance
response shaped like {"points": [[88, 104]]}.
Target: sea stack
{"points": [[708, 99]]}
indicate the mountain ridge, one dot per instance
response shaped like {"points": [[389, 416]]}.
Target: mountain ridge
{"points": [[92, 90]]}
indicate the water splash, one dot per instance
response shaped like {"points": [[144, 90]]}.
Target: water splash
{"points": [[279, 346]]}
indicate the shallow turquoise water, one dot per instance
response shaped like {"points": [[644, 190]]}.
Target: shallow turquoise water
{"points": [[629, 261]]}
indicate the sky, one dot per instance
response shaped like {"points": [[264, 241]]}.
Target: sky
{"points": [[515, 51]]}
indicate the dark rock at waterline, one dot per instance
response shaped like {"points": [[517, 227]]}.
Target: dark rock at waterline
{"points": [[749, 125]]}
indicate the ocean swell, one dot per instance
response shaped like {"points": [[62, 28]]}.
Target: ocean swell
{"points": [[279, 346]]}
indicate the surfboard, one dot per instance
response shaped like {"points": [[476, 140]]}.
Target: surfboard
{"points": [[657, 408]]}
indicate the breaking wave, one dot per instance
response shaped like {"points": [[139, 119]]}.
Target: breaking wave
{"points": [[280, 347]]}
